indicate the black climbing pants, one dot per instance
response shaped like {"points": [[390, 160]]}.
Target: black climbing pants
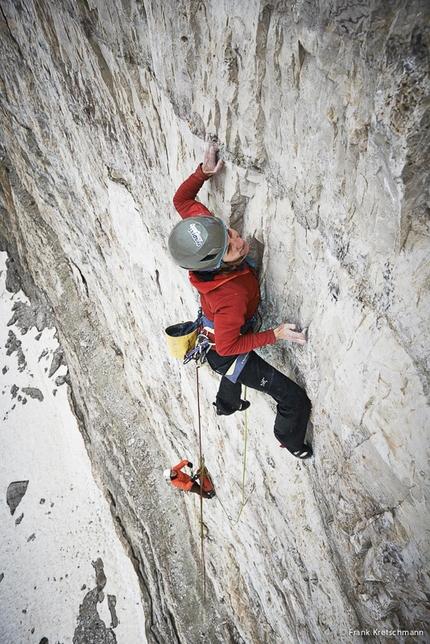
{"points": [[293, 404]]}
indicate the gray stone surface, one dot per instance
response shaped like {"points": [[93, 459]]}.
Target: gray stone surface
{"points": [[15, 492], [90, 627], [321, 111]]}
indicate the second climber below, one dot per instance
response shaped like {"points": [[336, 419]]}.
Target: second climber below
{"points": [[197, 484], [215, 256]]}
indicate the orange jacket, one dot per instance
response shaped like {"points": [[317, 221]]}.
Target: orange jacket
{"points": [[182, 481]]}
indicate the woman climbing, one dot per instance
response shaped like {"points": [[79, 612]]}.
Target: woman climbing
{"points": [[215, 256]]}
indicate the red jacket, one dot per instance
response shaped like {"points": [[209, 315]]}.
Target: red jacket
{"points": [[182, 481], [229, 300]]}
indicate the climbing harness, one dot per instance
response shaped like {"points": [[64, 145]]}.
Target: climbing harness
{"points": [[200, 351], [189, 340], [202, 345]]}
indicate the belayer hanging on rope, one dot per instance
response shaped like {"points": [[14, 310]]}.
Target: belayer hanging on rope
{"points": [[198, 484], [229, 292]]}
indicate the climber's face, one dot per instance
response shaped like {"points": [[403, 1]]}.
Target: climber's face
{"points": [[237, 248]]}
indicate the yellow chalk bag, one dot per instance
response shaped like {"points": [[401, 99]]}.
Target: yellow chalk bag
{"points": [[181, 338]]}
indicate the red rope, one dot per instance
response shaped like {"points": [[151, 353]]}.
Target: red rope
{"points": [[202, 474]]}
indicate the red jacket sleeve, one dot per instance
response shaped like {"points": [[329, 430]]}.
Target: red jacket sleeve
{"points": [[180, 465], [228, 319], [184, 199], [182, 481]]}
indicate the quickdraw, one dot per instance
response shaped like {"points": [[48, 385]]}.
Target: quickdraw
{"points": [[199, 353], [202, 346]]}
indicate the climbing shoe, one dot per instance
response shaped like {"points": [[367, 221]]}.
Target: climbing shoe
{"points": [[244, 404], [211, 494], [304, 452]]}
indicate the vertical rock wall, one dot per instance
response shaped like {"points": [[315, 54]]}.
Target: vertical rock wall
{"points": [[321, 111]]}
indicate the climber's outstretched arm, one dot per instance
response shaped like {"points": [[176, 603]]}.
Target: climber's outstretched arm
{"points": [[210, 166]]}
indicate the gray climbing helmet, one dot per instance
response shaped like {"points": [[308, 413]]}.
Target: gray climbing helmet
{"points": [[198, 243]]}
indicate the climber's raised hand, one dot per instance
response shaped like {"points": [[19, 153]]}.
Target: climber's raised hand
{"points": [[210, 166], [288, 332]]}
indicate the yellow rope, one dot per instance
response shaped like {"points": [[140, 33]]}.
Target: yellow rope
{"points": [[202, 475], [245, 445]]}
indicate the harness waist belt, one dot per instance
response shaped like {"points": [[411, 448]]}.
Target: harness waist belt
{"points": [[236, 367]]}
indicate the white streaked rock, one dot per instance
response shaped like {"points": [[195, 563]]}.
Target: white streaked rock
{"points": [[321, 117]]}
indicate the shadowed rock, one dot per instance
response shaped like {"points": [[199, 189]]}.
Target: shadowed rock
{"points": [[90, 626], [33, 392], [15, 492]]}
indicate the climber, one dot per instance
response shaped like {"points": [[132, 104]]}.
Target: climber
{"points": [[215, 256], [188, 483]]}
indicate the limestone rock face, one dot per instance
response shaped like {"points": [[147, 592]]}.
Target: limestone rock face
{"points": [[321, 112]]}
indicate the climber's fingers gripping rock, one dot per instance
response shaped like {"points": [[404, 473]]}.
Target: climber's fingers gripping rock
{"points": [[210, 166], [288, 332]]}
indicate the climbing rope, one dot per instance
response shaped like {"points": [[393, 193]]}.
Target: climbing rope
{"points": [[203, 466], [203, 471], [244, 501], [201, 484]]}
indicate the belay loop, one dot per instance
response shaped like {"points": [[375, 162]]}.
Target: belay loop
{"points": [[200, 351], [202, 346]]}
